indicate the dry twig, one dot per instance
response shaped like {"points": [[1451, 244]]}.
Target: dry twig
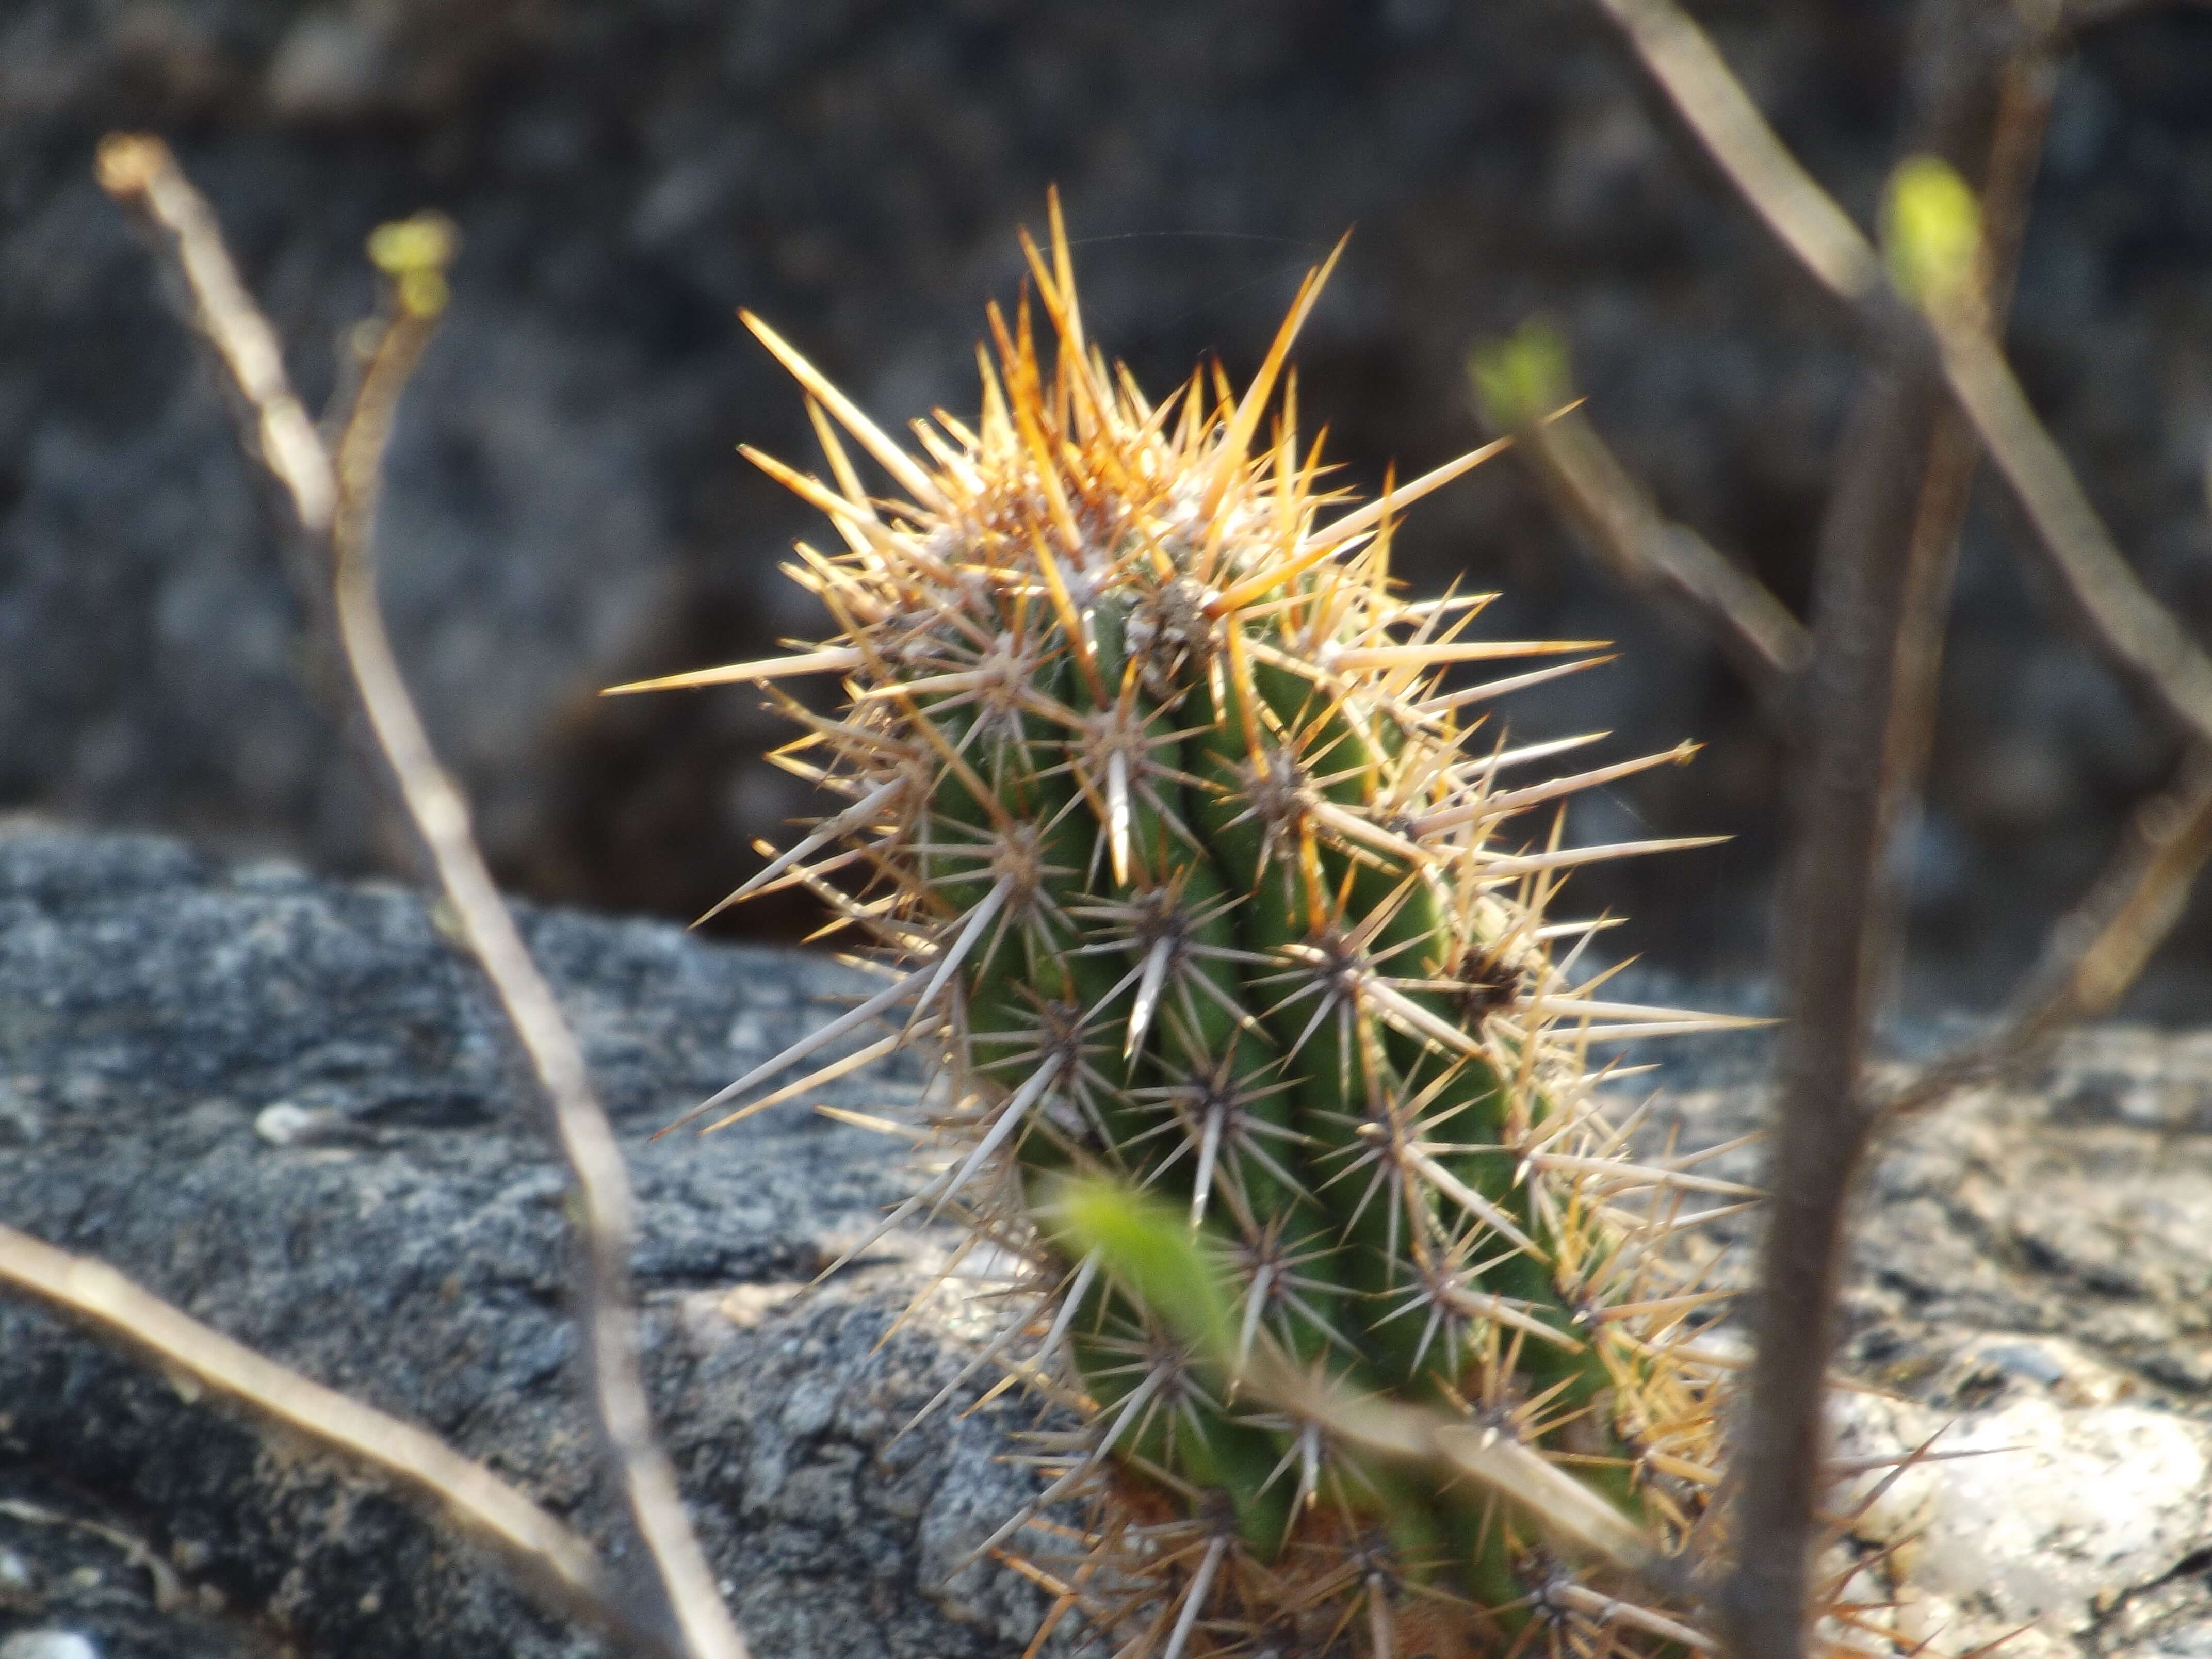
{"points": [[2024, 81], [2131, 626], [2096, 951], [1888, 553], [1830, 960], [1685, 65], [1769, 647], [139, 173], [1878, 638], [1520, 384], [561, 1568], [1884, 538], [2138, 633], [335, 504], [2128, 625]]}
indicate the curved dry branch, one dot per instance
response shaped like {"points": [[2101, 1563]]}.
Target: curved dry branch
{"points": [[334, 499], [2095, 952], [587, 1140], [560, 1568], [1643, 547], [2138, 635], [1887, 553], [1687, 68], [2130, 627]]}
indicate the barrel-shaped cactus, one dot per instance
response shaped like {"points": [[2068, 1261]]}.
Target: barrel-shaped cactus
{"points": [[1199, 869]]}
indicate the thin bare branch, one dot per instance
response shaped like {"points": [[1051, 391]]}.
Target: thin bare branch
{"points": [[2138, 633], [682, 1597], [1884, 546], [1685, 65], [587, 1140], [1767, 645], [2027, 86], [2096, 952], [2024, 81], [1711, 101], [1764, 642], [560, 1568], [1834, 942], [1834, 917], [1886, 556], [2093, 955], [1567, 1510], [272, 424], [1830, 950], [139, 173]]}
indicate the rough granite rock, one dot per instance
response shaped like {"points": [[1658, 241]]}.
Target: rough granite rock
{"points": [[156, 1010], [287, 1105]]}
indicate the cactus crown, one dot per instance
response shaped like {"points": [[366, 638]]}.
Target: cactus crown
{"points": [[1197, 877]]}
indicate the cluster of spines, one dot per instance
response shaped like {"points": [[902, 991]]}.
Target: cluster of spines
{"points": [[1196, 874]]}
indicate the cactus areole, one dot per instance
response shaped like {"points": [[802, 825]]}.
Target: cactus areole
{"points": [[1200, 871]]}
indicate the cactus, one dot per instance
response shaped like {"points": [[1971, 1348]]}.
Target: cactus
{"points": [[1196, 876]]}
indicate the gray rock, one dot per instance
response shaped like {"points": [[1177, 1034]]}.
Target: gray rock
{"points": [[2029, 1275], [147, 999], [2027, 1290]]}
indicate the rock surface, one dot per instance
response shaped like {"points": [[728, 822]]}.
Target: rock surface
{"points": [[2030, 1276], [565, 509], [2028, 1299], [153, 1007]]}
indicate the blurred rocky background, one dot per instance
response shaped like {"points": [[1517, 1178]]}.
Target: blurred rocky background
{"points": [[566, 509]]}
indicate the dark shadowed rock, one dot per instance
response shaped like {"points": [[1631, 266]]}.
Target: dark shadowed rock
{"points": [[565, 509], [2032, 1276]]}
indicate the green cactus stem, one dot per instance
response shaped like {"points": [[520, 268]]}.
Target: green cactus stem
{"points": [[1198, 876]]}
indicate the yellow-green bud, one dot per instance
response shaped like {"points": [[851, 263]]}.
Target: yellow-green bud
{"points": [[1521, 379], [1931, 231], [414, 252]]}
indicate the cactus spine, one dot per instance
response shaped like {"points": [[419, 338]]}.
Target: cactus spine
{"points": [[1197, 877]]}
